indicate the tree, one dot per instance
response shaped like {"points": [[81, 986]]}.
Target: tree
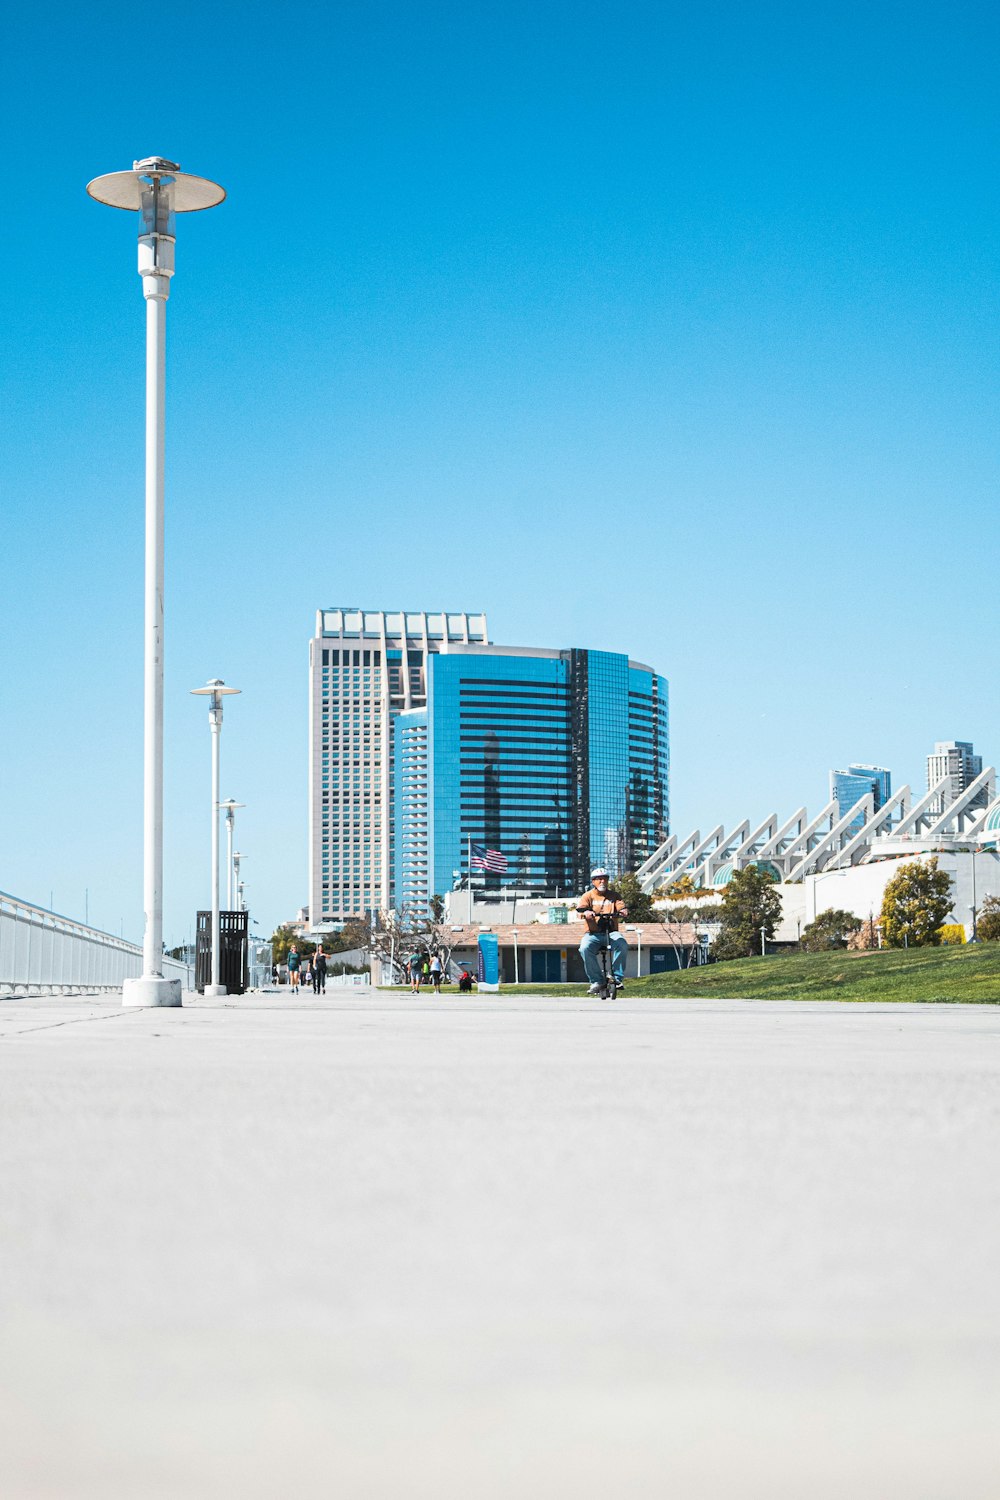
{"points": [[914, 905], [640, 906], [712, 912], [683, 889], [749, 904], [393, 935], [437, 908], [988, 920], [831, 929]]}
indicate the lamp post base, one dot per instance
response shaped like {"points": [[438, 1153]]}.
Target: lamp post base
{"points": [[150, 990], [215, 991]]}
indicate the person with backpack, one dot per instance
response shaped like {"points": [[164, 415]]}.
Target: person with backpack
{"points": [[319, 972], [416, 971]]}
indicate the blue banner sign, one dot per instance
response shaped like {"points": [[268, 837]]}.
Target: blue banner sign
{"points": [[489, 961]]}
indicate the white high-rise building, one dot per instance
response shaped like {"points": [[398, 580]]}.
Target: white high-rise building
{"points": [[956, 760], [365, 668]]}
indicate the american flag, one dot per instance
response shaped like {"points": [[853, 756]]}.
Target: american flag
{"points": [[482, 858]]}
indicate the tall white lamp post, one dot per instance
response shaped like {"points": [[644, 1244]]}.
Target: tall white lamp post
{"points": [[158, 189], [215, 690], [232, 871]]}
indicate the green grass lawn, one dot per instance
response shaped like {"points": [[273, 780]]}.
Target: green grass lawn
{"points": [[946, 975]]}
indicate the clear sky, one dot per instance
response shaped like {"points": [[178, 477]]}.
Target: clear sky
{"points": [[662, 328]]}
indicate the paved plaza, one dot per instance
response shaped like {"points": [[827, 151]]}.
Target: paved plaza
{"points": [[369, 1247]]}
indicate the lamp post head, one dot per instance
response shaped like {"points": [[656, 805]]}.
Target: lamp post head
{"points": [[185, 193], [215, 689], [159, 190]]}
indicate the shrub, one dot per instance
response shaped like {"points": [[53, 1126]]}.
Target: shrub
{"points": [[831, 929]]}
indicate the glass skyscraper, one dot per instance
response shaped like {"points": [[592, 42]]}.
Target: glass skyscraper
{"points": [[557, 759], [849, 786]]}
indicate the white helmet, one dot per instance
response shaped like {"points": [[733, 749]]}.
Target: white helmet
{"points": [[599, 872]]}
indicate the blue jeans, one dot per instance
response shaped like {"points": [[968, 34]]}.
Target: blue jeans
{"points": [[590, 947]]}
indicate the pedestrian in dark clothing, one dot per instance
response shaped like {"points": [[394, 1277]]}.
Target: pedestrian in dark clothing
{"points": [[319, 972]]}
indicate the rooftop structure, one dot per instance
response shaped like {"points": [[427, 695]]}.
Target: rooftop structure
{"points": [[835, 839]]}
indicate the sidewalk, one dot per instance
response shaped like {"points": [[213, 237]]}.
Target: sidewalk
{"points": [[476, 1248]]}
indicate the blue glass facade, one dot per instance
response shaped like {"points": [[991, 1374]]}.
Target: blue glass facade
{"points": [[848, 786], [557, 759]]}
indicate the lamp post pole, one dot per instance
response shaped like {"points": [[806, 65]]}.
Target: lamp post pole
{"points": [[638, 939], [232, 872], [516, 980], [237, 882], [158, 189], [215, 690]]}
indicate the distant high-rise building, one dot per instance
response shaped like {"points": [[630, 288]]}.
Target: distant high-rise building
{"points": [[956, 760], [365, 668], [848, 786]]}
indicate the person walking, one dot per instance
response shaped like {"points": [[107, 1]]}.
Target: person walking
{"points": [[319, 972], [294, 964], [437, 973], [416, 971]]}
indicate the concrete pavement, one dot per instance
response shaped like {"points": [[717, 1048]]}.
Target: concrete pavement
{"points": [[371, 1247]]}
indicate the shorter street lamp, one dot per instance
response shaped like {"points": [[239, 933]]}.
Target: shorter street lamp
{"points": [[237, 857], [638, 934], [516, 981], [215, 690], [229, 807]]}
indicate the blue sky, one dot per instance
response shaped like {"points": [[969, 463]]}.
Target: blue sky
{"points": [[655, 328]]}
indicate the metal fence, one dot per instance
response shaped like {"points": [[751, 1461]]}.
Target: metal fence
{"points": [[42, 953]]}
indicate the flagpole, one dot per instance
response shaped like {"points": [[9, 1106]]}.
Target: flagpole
{"points": [[470, 879]]}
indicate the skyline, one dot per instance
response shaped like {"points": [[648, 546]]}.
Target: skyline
{"points": [[489, 297]]}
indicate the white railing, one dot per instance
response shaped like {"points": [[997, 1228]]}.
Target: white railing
{"points": [[42, 953]]}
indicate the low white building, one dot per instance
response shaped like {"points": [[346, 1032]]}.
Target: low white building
{"points": [[860, 888]]}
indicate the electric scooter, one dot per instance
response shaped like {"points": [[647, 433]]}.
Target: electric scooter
{"points": [[609, 984]]}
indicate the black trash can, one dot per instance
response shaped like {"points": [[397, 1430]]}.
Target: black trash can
{"points": [[233, 951]]}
